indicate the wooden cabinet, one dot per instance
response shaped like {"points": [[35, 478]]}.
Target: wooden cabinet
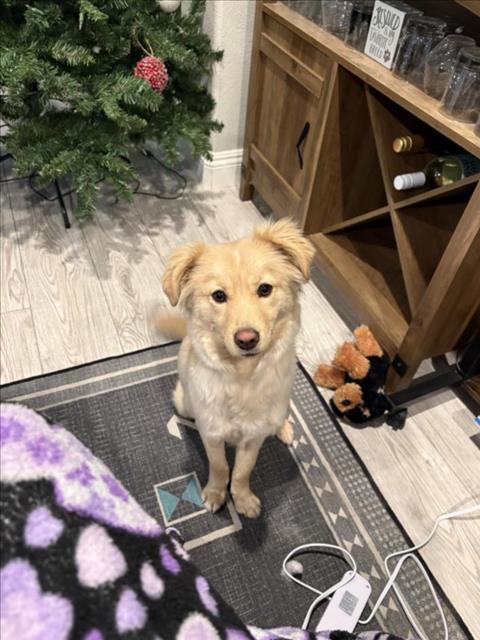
{"points": [[291, 79], [318, 147]]}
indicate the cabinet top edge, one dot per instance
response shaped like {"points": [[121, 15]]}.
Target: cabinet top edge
{"points": [[406, 95]]}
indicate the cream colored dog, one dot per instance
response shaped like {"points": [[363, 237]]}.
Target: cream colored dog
{"points": [[237, 360]]}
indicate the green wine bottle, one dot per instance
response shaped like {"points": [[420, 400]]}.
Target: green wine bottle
{"points": [[439, 172]]}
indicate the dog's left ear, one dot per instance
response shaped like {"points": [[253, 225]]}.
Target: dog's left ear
{"points": [[287, 238], [180, 265]]}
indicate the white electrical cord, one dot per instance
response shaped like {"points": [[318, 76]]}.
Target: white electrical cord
{"points": [[392, 576], [321, 595]]}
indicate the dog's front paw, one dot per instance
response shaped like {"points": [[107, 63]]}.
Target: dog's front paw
{"points": [[213, 498], [248, 504], [285, 433]]}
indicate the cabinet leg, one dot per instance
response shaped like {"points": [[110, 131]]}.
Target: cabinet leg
{"points": [[246, 189]]}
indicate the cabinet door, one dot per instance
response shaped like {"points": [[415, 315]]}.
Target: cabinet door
{"points": [[290, 94]]}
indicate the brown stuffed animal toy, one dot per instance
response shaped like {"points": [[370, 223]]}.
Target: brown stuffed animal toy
{"points": [[357, 374]]}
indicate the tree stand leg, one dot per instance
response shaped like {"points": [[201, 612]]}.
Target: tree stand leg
{"points": [[63, 208]]}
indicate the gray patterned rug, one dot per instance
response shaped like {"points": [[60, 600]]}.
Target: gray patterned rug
{"points": [[315, 491]]}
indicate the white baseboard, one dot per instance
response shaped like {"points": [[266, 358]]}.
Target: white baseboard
{"points": [[223, 170]]}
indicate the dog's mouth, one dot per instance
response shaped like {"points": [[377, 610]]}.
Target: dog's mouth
{"points": [[251, 355]]}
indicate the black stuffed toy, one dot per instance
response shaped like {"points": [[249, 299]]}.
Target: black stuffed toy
{"points": [[358, 373]]}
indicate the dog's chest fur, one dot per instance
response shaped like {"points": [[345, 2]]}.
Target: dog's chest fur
{"points": [[238, 404]]}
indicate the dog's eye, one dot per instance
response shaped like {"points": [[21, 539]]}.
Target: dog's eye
{"points": [[264, 290], [219, 296]]}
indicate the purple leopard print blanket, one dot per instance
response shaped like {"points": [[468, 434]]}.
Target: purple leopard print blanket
{"points": [[81, 559]]}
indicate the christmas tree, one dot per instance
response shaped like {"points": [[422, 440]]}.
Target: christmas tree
{"points": [[82, 82]]}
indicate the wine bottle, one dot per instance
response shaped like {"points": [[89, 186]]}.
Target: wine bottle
{"points": [[409, 144], [439, 172]]}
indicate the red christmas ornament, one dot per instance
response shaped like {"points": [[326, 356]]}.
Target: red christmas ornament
{"points": [[153, 71]]}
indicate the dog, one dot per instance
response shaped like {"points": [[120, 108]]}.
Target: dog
{"points": [[236, 364]]}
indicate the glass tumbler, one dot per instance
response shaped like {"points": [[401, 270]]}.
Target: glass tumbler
{"points": [[477, 126], [405, 7], [360, 23], [461, 99], [440, 63], [336, 17], [420, 34], [310, 9]]}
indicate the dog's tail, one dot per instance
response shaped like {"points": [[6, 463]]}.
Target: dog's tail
{"points": [[172, 326]]}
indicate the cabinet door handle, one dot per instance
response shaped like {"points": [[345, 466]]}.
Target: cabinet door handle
{"points": [[301, 140]]}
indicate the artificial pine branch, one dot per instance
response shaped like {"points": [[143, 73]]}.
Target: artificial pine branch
{"points": [[68, 90]]}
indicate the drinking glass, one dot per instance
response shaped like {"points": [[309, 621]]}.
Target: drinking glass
{"points": [[420, 34], [311, 9], [405, 7], [336, 17], [440, 63], [360, 23], [461, 99]]}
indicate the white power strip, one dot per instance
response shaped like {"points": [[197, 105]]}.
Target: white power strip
{"points": [[350, 591], [347, 604]]}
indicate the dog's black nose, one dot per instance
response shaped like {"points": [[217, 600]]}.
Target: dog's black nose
{"points": [[246, 339]]}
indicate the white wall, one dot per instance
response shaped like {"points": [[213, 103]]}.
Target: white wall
{"points": [[229, 23]]}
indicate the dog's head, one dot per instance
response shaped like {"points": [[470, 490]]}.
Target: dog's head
{"points": [[241, 295]]}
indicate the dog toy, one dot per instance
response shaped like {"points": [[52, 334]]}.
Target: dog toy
{"points": [[357, 375]]}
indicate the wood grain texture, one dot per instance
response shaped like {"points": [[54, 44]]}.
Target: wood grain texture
{"points": [[18, 346], [273, 187], [348, 175], [472, 387], [471, 5], [291, 65], [407, 95], [414, 468], [309, 55], [71, 317], [13, 292], [281, 122], [347, 180], [225, 218], [390, 121], [453, 293], [172, 223], [428, 467], [284, 133], [423, 232], [253, 106], [130, 271], [381, 212], [464, 186], [424, 470]]}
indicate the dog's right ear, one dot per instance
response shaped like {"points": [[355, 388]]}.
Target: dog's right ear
{"points": [[286, 237], [179, 267]]}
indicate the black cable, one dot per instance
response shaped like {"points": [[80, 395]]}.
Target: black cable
{"points": [[4, 157], [461, 352], [182, 179], [53, 198]]}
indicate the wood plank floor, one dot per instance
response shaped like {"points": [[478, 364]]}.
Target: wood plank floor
{"points": [[75, 296]]}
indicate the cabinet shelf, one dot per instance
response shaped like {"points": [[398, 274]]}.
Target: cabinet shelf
{"points": [[407, 261], [348, 180], [423, 231], [407, 95], [466, 185], [358, 220], [365, 264]]}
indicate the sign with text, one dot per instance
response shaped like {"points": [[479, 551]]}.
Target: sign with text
{"points": [[384, 32]]}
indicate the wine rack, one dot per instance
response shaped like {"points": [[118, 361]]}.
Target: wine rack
{"points": [[408, 261]]}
